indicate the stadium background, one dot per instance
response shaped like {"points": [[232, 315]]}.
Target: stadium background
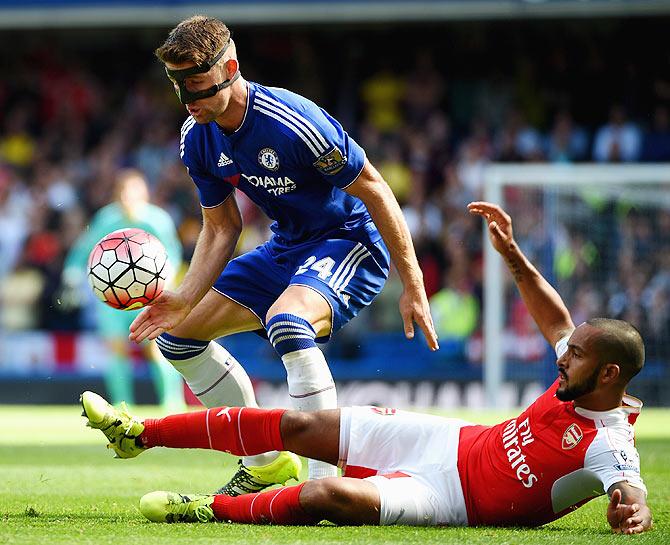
{"points": [[434, 91]]}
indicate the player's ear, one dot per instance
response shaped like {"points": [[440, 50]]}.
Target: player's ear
{"points": [[230, 68], [610, 373]]}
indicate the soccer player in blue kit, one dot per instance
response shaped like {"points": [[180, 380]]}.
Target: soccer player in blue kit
{"points": [[337, 223]]}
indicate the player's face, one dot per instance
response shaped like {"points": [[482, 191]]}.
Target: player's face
{"points": [[205, 110], [579, 368], [133, 191], [133, 196]]}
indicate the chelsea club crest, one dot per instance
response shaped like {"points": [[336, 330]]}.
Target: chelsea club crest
{"points": [[268, 158]]}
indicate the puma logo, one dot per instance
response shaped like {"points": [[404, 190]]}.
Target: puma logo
{"points": [[226, 411]]}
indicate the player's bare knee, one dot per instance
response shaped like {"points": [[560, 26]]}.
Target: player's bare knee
{"points": [[275, 309], [283, 309], [342, 501], [323, 496], [305, 303], [284, 305], [295, 424]]}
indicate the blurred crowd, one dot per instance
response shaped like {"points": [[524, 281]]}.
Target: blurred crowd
{"points": [[431, 118]]}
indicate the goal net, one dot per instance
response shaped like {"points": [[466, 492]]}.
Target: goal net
{"points": [[601, 236]]}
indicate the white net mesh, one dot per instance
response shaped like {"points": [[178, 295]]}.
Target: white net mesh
{"points": [[601, 235]]}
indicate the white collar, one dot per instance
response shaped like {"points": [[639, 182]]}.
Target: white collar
{"points": [[630, 406]]}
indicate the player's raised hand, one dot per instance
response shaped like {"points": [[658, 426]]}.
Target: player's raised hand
{"points": [[627, 518], [414, 308], [166, 312], [499, 223]]}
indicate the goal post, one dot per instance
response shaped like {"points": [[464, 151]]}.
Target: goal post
{"points": [[561, 189]]}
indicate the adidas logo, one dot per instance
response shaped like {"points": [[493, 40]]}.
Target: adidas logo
{"points": [[224, 160]]}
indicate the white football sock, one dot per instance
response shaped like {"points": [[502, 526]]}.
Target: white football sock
{"points": [[310, 388]]}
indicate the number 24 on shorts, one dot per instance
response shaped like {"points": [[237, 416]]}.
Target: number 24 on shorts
{"points": [[323, 266]]}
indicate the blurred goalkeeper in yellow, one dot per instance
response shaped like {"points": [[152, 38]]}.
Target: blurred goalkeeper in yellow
{"points": [[130, 208]]}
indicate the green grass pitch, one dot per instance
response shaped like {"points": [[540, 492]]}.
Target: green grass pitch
{"points": [[58, 485]]}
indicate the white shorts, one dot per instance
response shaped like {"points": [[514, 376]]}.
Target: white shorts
{"points": [[412, 460]]}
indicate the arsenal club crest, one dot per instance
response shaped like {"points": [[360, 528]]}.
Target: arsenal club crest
{"points": [[572, 436]]}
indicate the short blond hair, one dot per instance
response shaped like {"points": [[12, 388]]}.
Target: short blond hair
{"points": [[196, 39]]}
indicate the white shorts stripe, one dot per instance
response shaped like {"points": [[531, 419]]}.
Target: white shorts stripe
{"points": [[296, 115], [343, 264], [292, 127], [299, 124], [352, 271], [355, 259]]}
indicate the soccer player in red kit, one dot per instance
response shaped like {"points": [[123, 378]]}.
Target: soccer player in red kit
{"points": [[574, 443]]}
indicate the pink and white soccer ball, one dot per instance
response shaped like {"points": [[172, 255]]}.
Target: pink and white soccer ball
{"points": [[127, 268]]}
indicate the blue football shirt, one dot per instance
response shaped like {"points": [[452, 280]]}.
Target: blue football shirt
{"points": [[288, 156]]}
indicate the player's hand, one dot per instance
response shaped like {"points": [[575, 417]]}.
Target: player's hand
{"points": [[499, 223], [627, 519], [166, 312], [414, 308]]}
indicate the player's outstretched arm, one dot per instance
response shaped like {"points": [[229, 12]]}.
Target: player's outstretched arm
{"points": [[220, 231], [371, 188], [628, 512], [542, 300]]}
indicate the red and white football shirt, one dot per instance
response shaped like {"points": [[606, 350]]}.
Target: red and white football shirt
{"points": [[548, 461]]}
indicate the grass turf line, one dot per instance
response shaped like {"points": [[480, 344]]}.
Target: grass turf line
{"points": [[59, 485]]}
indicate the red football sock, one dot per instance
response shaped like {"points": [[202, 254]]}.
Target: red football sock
{"points": [[237, 430], [279, 506]]}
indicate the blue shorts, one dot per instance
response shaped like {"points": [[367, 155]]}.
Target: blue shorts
{"points": [[348, 273]]}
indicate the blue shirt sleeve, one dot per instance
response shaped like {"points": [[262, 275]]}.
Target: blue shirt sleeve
{"points": [[212, 191], [334, 155]]}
